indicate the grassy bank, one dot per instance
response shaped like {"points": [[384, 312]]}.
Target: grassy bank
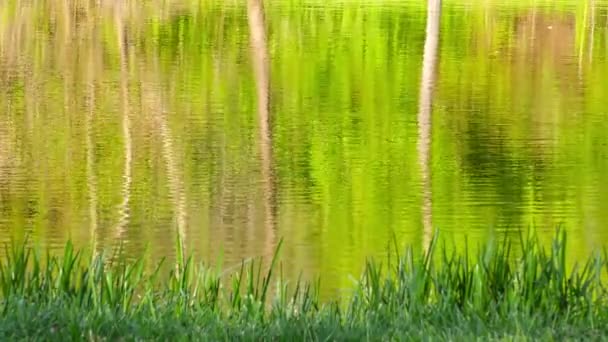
{"points": [[490, 295]]}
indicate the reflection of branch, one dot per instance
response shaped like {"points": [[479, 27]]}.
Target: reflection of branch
{"points": [[424, 114], [259, 54], [123, 48], [91, 179], [592, 33], [67, 25], [587, 40]]}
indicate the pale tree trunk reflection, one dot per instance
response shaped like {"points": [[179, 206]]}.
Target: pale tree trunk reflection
{"points": [[123, 50], [261, 68], [155, 102], [90, 167], [592, 30], [427, 84], [587, 36]]}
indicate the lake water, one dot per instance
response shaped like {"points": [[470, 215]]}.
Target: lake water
{"points": [[337, 128]]}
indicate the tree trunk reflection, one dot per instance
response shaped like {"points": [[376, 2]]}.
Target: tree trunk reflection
{"points": [[90, 157], [259, 54], [123, 50], [427, 84]]}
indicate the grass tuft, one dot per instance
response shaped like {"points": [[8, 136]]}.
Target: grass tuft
{"points": [[435, 294]]}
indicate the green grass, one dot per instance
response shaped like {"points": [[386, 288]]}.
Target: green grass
{"points": [[493, 294]]}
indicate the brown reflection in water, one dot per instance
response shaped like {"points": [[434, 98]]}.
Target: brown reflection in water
{"points": [[545, 41], [429, 75], [546, 38], [10, 69], [261, 68], [9, 159], [219, 234]]}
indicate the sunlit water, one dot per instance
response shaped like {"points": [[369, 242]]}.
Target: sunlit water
{"points": [[131, 125]]}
